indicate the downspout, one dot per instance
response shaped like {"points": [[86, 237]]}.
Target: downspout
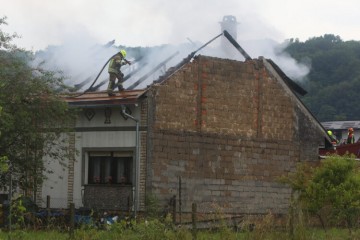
{"points": [[137, 161]]}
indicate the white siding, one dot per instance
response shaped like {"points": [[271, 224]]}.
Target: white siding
{"points": [[56, 184]]}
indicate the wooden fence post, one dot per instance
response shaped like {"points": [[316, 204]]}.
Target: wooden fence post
{"points": [[180, 203], [174, 209], [193, 218], [48, 211], [72, 220]]}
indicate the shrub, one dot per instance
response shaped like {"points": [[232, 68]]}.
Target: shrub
{"points": [[330, 191]]}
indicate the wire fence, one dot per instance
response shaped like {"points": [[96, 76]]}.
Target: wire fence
{"points": [[55, 213], [51, 214]]}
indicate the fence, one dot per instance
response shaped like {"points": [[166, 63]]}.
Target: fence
{"points": [[52, 214], [49, 216]]}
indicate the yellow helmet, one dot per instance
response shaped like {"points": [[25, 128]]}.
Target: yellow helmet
{"points": [[123, 53], [329, 132]]}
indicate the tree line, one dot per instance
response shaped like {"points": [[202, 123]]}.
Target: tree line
{"points": [[333, 82]]}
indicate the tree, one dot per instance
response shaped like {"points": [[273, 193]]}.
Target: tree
{"points": [[34, 116], [334, 76], [3, 159], [326, 112], [330, 191]]}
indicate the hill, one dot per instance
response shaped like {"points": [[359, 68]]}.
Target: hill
{"points": [[333, 82]]}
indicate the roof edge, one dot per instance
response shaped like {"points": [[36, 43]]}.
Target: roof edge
{"points": [[275, 72]]}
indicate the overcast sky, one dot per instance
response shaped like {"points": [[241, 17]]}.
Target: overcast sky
{"points": [[153, 22], [76, 27]]}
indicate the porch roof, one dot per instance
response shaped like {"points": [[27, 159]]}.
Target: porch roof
{"points": [[101, 98]]}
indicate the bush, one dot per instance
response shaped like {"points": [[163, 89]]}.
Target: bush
{"points": [[331, 191], [152, 206]]}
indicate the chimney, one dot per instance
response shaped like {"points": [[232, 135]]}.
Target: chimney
{"points": [[229, 24]]}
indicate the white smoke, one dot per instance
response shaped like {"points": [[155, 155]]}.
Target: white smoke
{"points": [[78, 58], [273, 50], [155, 58], [81, 57]]}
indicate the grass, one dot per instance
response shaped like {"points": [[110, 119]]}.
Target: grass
{"points": [[152, 232], [250, 228], [31, 235]]}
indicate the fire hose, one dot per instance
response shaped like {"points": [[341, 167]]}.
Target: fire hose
{"points": [[102, 69], [191, 55]]}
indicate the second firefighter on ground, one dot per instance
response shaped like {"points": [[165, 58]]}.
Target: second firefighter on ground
{"points": [[115, 73]]}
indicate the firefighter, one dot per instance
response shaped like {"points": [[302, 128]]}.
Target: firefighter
{"points": [[114, 71], [351, 137], [332, 137]]}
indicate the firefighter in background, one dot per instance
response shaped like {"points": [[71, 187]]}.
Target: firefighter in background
{"points": [[114, 71], [334, 141], [351, 137]]}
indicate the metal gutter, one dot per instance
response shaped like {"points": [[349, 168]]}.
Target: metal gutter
{"points": [[137, 161]]}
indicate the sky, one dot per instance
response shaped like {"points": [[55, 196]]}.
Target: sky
{"points": [[155, 22], [78, 25]]}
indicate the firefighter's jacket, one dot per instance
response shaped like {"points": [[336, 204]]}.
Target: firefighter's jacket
{"points": [[115, 64]]}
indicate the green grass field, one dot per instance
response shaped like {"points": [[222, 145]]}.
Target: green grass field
{"points": [[154, 233]]}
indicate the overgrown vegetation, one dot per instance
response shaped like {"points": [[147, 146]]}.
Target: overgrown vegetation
{"points": [[33, 117], [157, 230], [329, 193], [318, 191], [152, 206]]}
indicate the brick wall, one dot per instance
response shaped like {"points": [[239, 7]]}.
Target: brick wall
{"points": [[229, 129], [143, 151], [72, 153], [225, 97]]}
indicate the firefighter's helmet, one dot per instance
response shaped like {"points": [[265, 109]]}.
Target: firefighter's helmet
{"points": [[330, 132], [123, 53]]}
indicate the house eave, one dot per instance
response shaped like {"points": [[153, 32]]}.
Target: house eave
{"points": [[101, 99]]}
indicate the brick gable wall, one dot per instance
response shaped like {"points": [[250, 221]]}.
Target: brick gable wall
{"points": [[229, 129]]}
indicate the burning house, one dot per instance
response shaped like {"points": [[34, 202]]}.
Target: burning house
{"points": [[210, 131]]}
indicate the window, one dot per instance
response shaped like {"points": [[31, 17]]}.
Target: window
{"points": [[109, 168]]}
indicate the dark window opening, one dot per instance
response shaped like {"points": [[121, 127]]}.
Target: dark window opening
{"points": [[109, 169]]}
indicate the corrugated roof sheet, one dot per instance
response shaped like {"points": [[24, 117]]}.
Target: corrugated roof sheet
{"points": [[340, 125], [101, 98]]}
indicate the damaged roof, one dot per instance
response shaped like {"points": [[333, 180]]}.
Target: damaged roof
{"points": [[291, 84], [101, 98], [130, 96]]}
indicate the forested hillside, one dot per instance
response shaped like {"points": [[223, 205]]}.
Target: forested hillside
{"points": [[333, 83]]}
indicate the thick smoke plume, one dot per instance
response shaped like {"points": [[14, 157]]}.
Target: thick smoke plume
{"points": [[80, 58]]}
